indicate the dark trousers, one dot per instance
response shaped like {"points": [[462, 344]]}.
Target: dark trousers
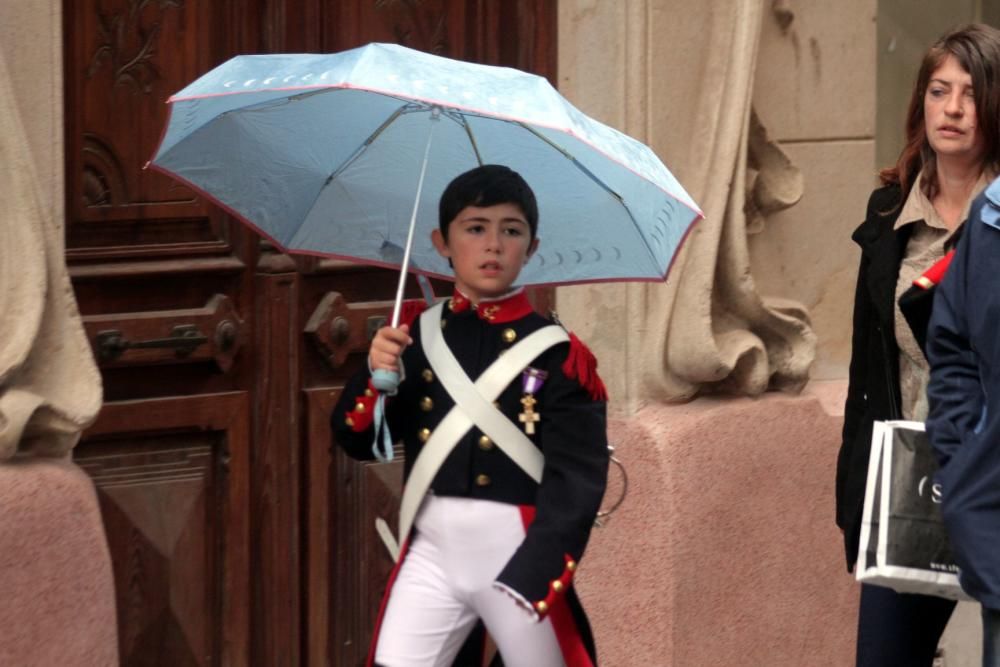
{"points": [[991, 637], [899, 629]]}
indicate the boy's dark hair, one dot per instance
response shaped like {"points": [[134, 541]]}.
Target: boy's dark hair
{"points": [[488, 185]]}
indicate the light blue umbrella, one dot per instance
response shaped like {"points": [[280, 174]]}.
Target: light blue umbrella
{"points": [[323, 154], [331, 155]]}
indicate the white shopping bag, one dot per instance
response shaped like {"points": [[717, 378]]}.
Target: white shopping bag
{"points": [[904, 544]]}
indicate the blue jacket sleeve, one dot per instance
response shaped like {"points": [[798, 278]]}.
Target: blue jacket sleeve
{"points": [[955, 388]]}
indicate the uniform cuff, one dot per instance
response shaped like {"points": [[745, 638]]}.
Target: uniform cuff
{"points": [[360, 417], [518, 599], [557, 589]]}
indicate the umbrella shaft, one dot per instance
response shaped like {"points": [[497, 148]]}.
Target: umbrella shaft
{"points": [[413, 223]]}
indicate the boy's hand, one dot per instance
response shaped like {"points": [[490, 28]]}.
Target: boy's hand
{"points": [[387, 346]]}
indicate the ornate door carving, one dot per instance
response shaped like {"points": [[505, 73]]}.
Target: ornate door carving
{"points": [[238, 536]]}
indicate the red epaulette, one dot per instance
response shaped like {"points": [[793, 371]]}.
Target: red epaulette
{"points": [[933, 275], [410, 310], [581, 365], [361, 417]]}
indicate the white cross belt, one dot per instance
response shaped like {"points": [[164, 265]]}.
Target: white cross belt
{"points": [[473, 407]]}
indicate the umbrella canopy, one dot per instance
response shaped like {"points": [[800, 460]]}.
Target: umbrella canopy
{"points": [[323, 154]]}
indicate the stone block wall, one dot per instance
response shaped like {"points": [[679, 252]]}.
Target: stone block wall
{"points": [[726, 552], [815, 93]]}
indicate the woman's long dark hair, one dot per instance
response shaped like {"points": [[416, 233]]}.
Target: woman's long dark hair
{"points": [[977, 49]]}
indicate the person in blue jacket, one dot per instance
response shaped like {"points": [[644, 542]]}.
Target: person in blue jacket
{"points": [[963, 347]]}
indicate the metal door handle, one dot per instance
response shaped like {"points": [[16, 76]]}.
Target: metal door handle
{"points": [[183, 339]]}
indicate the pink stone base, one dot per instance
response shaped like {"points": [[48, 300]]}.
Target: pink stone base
{"points": [[57, 599], [725, 551]]}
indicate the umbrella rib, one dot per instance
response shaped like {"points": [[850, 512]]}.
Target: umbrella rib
{"points": [[409, 108], [569, 156], [472, 139], [590, 174]]}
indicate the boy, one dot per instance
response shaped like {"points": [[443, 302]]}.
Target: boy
{"points": [[963, 347], [502, 416]]}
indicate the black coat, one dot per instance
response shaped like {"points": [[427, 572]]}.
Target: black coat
{"points": [[873, 389]]}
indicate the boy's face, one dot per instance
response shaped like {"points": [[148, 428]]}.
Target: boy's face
{"points": [[487, 247]]}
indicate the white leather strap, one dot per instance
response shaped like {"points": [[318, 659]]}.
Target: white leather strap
{"points": [[473, 406], [470, 399]]}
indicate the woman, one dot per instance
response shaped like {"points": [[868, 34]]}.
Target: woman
{"points": [[952, 151]]}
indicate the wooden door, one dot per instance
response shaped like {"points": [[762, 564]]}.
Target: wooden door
{"points": [[237, 535]]}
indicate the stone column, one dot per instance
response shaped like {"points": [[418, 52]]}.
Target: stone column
{"points": [[725, 551], [58, 602]]}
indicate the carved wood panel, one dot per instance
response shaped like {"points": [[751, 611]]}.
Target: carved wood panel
{"points": [[171, 477], [435, 26], [361, 562], [276, 474], [121, 63], [513, 33], [319, 581]]}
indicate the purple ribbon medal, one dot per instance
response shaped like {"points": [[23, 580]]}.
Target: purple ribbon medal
{"points": [[532, 380]]}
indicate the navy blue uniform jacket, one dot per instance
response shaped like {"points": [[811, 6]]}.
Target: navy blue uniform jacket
{"points": [[572, 435], [963, 346]]}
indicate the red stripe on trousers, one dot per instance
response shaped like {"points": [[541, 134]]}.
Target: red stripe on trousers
{"points": [[370, 662]]}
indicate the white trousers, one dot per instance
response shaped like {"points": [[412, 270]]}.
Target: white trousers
{"points": [[446, 583]]}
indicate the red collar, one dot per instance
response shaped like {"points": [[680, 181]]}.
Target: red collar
{"points": [[496, 311]]}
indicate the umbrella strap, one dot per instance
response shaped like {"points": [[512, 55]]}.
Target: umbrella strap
{"points": [[383, 453]]}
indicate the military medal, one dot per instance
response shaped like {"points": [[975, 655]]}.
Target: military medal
{"points": [[531, 381]]}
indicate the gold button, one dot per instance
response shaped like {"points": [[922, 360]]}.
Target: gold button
{"points": [[542, 607], [369, 393], [451, 304], [424, 434], [360, 407], [485, 443], [426, 404], [444, 323], [349, 421], [509, 335], [428, 375], [483, 480], [557, 586], [571, 565]]}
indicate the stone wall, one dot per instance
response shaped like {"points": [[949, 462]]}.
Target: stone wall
{"points": [[31, 41], [58, 602], [725, 552], [815, 91], [615, 69]]}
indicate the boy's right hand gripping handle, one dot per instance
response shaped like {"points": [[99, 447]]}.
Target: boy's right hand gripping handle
{"points": [[385, 381]]}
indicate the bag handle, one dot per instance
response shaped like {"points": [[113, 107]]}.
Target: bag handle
{"points": [[890, 383]]}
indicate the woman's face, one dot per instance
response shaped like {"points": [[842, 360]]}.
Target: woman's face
{"points": [[950, 113]]}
